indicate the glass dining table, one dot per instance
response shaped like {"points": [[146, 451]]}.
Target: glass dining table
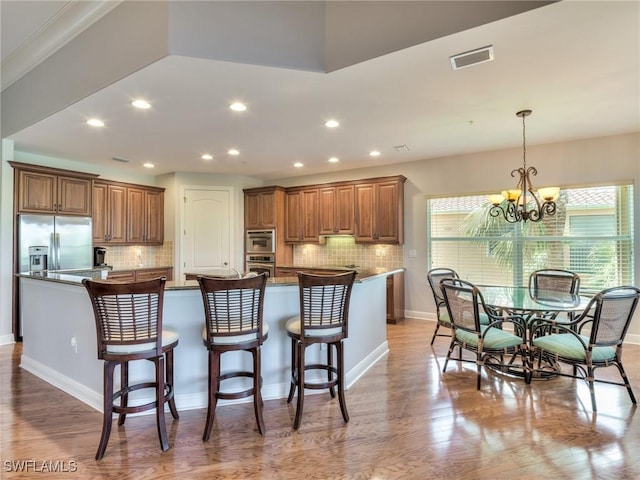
{"points": [[528, 304]]}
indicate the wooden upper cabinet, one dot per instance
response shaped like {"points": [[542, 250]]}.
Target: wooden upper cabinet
{"points": [[302, 216], [43, 190], [336, 210], [109, 213], [145, 215], [379, 211], [261, 207]]}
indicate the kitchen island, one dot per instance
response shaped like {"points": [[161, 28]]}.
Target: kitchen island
{"points": [[59, 340]]}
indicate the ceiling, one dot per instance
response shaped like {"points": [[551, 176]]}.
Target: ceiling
{"points": [[575, 64]]}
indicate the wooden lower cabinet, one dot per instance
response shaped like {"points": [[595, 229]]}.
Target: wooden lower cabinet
{"points": [[140, 274], [395, 297]]}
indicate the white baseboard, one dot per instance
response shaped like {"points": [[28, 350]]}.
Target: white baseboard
{"points": [[6, 339], [190, 401]]}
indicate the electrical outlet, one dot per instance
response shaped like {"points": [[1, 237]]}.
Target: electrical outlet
{"points": [[413, 254], [74, 344]]}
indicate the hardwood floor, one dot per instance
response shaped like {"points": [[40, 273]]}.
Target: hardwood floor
{"points": [[408, 421]]}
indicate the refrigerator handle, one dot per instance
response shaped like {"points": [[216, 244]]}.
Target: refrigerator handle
{"points": [[57, 251], [51, 261]]}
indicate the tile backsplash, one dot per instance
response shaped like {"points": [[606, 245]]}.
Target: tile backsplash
{"points": [[136, 256], [340, 251]]}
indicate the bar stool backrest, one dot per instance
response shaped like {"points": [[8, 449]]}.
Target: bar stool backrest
{"points": [[233, 307], [324, 303], [128, 316]]}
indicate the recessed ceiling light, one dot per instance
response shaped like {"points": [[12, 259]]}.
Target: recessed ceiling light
{"points": [[374, 153], [334, 160], [148, 165], [298, 164], [238, 107], [233, 151], [94, 122], [140, 103], [206, 156], [331, 123]]}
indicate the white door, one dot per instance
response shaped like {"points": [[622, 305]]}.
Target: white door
{"points": [[207, 229]]}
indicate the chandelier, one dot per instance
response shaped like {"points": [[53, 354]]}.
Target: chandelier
{"points": [[523, 202]]}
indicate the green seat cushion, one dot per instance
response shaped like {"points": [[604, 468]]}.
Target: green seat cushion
{"points": [[495, 339], [568, 346], [444, 318]]}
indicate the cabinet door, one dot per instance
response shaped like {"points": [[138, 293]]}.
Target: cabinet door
{"points": [[154, 217], [293, 207], [344, 209], [100, 213], [135, 215], [309, 213], [74, 196], [327, 222], [387, 221], [364, 213], [252, 210], [260, 210], [37, 192], [117, 208]]}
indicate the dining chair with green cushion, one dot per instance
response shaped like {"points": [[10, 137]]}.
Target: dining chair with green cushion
{"points": [[489, 342], [608, 317], [434, 276], [554, 280], [442, 315]]}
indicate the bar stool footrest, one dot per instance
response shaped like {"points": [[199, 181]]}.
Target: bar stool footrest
{"points": [[322, 385], [168, 395], [236, 395]]}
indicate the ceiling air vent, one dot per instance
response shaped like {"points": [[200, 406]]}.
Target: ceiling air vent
{"points": [[472, 57], [120, 159]]}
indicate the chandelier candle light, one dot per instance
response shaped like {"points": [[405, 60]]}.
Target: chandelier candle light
{"points": [[523, 203]]}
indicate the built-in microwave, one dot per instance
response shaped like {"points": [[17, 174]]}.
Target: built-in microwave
{"points": [[261, 241]]}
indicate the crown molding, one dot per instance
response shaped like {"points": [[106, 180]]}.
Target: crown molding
{"points": [[72, 19]]}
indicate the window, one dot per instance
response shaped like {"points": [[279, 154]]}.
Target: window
{"points": [[591, 234]]}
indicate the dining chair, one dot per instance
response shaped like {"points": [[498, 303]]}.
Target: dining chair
{"points": [[128, 318], [554, 280], [490, 342], [608, 316], [233, 322], [442, 315], [323, 319]]}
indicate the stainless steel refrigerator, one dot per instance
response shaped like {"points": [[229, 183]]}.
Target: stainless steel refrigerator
{"points": [[69, 241]]}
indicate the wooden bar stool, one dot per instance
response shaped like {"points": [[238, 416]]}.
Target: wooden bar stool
{"points": [[324, 318], [128, 318], [233, 322]]}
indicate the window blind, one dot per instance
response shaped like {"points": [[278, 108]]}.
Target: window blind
{"points": [[591, 234]]}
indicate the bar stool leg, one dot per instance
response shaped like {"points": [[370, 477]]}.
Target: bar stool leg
{"points": [[214, 386], [300, 381], [169, 376], [294, 370], [343, 403], [332, 389], [162, 427], [124, 386], [257, 394], [107, 407]]}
